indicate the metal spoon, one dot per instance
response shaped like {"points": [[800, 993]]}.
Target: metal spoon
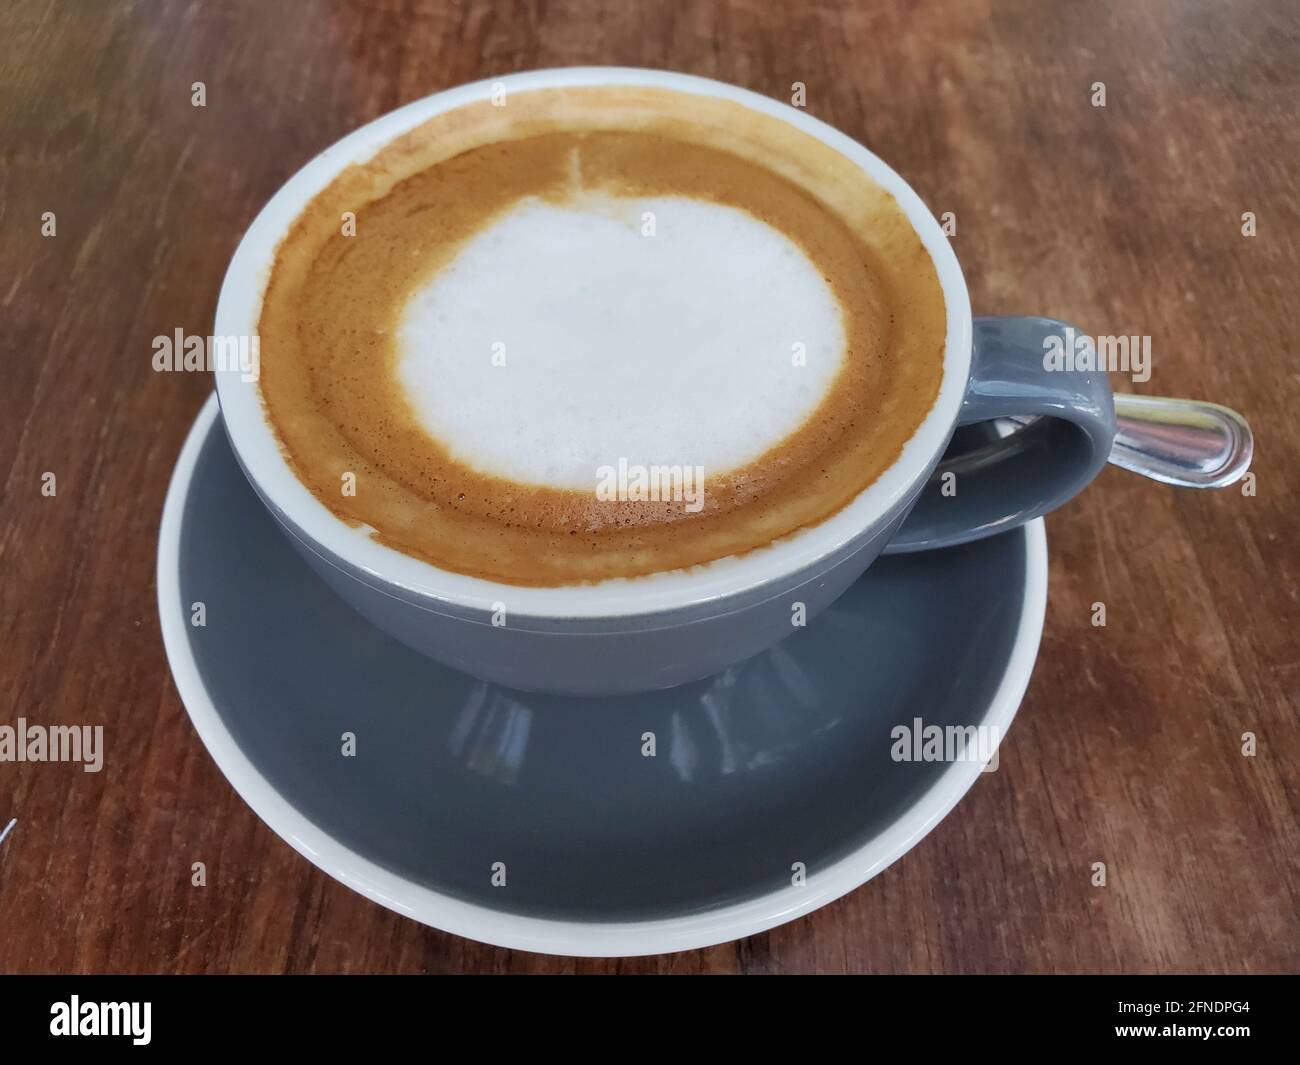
{"points": [[1184, 442]]}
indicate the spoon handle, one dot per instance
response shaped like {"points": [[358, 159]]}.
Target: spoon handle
{"points": [[1184, 442]]}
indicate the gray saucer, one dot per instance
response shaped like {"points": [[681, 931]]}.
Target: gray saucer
{"points": [[783, 759]]}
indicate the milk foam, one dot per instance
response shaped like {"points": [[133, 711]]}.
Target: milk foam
{"points": [[565, 338]]}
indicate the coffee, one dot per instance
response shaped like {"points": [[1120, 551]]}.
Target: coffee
{"points": [[597, 333]]}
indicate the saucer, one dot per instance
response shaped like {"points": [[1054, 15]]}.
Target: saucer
{"points": [[583, 826]]}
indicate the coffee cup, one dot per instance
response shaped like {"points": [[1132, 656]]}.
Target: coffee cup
{"points": [[671, 617]]}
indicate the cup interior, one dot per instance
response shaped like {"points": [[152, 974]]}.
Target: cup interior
{"points": [[260, 454]]}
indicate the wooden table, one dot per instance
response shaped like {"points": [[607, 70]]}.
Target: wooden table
{"points": [[1127, 219]]}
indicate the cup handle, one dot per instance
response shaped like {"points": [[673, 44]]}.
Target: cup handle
{"points": [[1067, 427]]}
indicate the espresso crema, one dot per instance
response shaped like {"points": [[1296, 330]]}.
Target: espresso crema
{"points": [[597, 333]]}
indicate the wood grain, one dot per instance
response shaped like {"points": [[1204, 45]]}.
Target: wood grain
{"points": [[1125, 219]]}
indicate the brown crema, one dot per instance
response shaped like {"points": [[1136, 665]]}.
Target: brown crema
{"points": [[333, 303]]}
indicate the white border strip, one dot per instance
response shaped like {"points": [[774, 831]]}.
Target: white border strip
{"points": [[539, 934]]}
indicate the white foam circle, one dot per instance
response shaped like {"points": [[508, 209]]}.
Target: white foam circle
{"points": [[657, 331]]}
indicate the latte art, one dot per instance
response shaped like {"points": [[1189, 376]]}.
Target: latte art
{"points": [[540, 300]]}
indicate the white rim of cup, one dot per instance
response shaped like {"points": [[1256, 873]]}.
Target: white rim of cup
{"points": [[259, 452], [545, 935]]}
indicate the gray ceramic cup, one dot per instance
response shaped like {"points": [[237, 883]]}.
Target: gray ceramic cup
{"points": [[655, 632]]}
